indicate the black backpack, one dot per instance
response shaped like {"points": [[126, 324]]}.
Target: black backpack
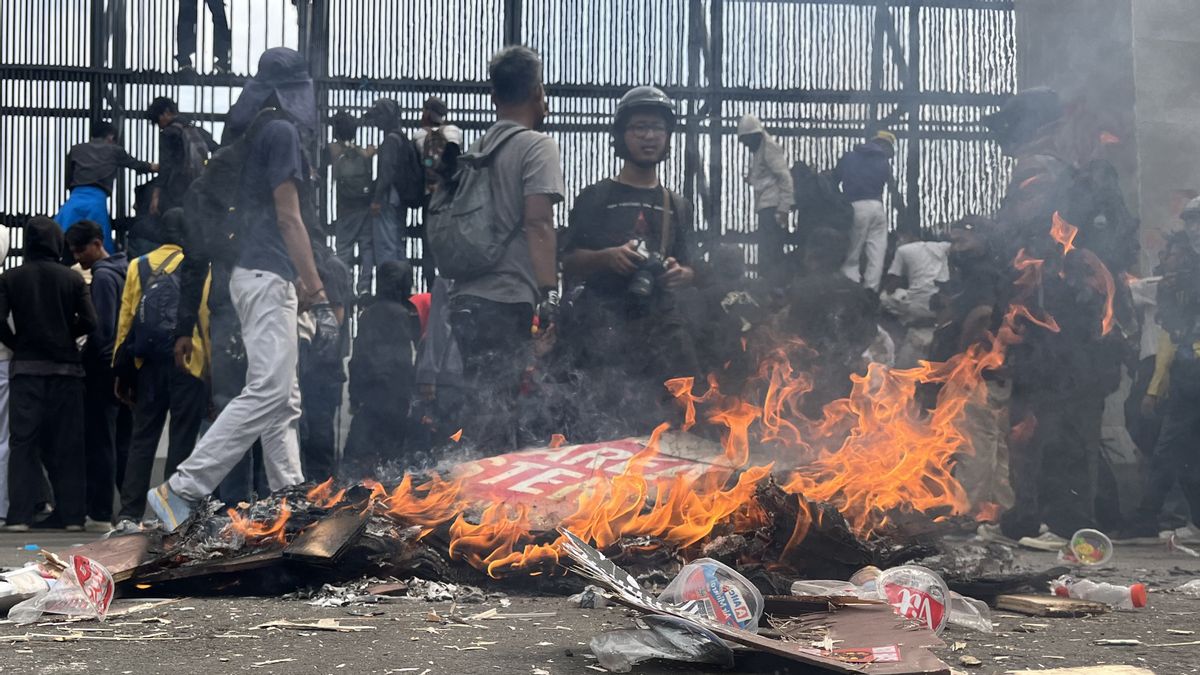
{"points": [[154, 322], [409, 181], [196, 143], [352, 174], [819, 202]]}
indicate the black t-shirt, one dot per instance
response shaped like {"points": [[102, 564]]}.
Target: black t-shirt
{"points": [[610, 213], [274, 158]]}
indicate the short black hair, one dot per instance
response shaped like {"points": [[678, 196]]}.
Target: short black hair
{"points": [[160, 105], [103, 129], [83, 233], [515, 73], [171, 227], [345, 126]]}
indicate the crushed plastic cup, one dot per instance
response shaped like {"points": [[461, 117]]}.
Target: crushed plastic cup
{"points": [[20, 585], [916, 593], [969, 613], [1191, 588], [664, 637], [867, 578], [1087, 547], [825, 587], [84, 589], [709, 588]]}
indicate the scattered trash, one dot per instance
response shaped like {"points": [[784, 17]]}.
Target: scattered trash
{"points": [[1176, 631], [319, 624], [1174, 545], [969, 613], [1190, 588], [264, 664], [84, 589], [21, 584], [715, 590], [825, 587], [970, 661], [592, 597], [1087, 547], [916, 593], [1118, 597], [31, 547], [1049, 605], [1120, 642], [664, 637]]}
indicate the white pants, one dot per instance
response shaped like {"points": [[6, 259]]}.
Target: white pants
{"points": [[869, 234], [268, 406], [4, 438]]}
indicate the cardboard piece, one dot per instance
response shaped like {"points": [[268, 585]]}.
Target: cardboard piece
{"points": [[1049, 605], [326, 541]]}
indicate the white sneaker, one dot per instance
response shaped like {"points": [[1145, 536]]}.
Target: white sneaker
{"points": [[1046, 541], [96, 526], [1188, 534]]}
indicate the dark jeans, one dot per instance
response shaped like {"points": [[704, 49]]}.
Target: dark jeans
{"points": [[161, 388], [185, 29], [100, 440], [494, 340], [1054, 473], [1176, 457], [320, 396], [771, 238], [46, 439]]}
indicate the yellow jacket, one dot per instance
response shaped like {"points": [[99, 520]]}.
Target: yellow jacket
{"points": [[1161, 382], [132, 296]]}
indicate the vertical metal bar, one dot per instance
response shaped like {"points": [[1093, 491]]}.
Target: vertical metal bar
{"points": [[912, 222], [881, 15], [716, 49], [691, 143], [512, 22]]}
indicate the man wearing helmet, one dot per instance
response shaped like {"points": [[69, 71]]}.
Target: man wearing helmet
{"points": [[626, 252]]}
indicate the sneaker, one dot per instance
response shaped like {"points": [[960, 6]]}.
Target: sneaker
{"points": [[99, 526], [16, 527], [170, 508], [1046, 541], [74, 528], [1188, 534], [992, 532], [124, 526]]}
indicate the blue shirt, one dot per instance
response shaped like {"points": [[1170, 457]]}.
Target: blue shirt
{"points": [[274, 159]]}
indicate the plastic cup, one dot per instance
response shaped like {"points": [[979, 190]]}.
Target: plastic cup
{"points": [[1089, 547], [916, 593]]}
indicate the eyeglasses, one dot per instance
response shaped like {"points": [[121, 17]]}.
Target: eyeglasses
{"points": [[647, 130]]}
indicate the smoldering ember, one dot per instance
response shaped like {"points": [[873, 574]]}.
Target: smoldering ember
{"points": [[765, 336]]}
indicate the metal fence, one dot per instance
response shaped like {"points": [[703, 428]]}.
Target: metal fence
{"points": [[820, 73]]}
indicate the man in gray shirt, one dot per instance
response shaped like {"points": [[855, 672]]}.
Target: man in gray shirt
{"points": [[492, 314]]}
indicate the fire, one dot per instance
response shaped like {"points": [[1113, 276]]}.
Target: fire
{"points": [[456, 436], [1064, 233], [260, 532], [323, 495], [428, 505], [1109, 138]]}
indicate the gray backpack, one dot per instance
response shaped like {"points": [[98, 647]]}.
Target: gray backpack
{"points": [[462, 231]]}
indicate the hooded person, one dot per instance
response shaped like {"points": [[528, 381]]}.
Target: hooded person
{"points": [[382, 373], [273, 277], [864, 173], [49, 308], [85, 240], [770, 178], [399, 186]]}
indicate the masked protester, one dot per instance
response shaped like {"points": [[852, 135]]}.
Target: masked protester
{"points": [[863, 174], [399, 186], [771, 181], [272, 276], [629, 245]]}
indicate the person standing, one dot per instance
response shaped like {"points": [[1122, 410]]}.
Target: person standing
{"points": [[773, 196], [91, 169], [323, 372], [864, 173], [50, 308], [492, 312], [185, 34], [629, 245], [399, 186], [274, 275], [147, 379], [85, 240], [354, 183]]}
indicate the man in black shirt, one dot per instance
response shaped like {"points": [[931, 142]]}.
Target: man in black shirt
{"points": [[628, 245], [91, 169], [399, 186]]}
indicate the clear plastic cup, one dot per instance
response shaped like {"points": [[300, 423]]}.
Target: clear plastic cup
{"points": [[1088, 547], [916, 593]]}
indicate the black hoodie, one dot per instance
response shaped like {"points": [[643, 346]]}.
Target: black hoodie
{"points": [[108, 283], [49, 305]]}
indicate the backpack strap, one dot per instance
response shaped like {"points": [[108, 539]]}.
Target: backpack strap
{"points": [[158, 271], [664, 241]]}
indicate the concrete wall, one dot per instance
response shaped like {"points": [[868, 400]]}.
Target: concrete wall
{"points": [[1132, 68]]}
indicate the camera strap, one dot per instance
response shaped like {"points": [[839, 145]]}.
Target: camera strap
{"points": [[665, 239]]}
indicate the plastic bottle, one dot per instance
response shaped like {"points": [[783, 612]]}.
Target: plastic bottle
{"points": [[1118, 597], [826, 587], [969, 613]]}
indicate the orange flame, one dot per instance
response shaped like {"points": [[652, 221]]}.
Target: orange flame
{"points": [[557, 440], [323, 495], [1063, 232], [456, 436], [1109, 138], [259, 532]]}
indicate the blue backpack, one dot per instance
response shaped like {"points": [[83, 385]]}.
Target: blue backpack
{"points": [[158, 310]]}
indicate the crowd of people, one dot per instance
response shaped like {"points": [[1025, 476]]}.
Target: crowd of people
{"points": [[225, 312]]}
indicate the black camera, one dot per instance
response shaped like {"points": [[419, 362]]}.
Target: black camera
{"points": [[653, 265]]}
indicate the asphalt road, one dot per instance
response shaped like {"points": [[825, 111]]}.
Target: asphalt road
{"points": [[218, 635]]}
